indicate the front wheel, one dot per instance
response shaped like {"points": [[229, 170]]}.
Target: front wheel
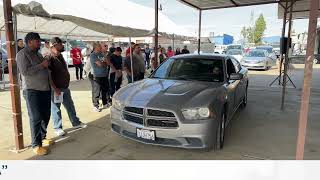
{"points": [[220, 132], [245, 99]]}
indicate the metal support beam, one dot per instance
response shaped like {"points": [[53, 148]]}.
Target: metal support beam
{"points": [[14, 86], [173, 41], [240, 5], [233, 2], [156, 28], [199, 31], [131, 63], [282, 36], [286, 59], [305, 96]]}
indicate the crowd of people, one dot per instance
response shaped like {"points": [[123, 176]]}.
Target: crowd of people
{"points": [[45, 76]]}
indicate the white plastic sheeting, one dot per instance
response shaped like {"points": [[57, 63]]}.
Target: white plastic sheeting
{"points": [[89, 19]]}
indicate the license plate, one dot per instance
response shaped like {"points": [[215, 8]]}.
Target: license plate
{"points": [[146, 134]]}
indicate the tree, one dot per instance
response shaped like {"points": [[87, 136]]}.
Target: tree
{"points": [[247, 34], [259, 28]]}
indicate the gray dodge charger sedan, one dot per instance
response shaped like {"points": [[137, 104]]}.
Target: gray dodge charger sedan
{"points": [[187, 102]]}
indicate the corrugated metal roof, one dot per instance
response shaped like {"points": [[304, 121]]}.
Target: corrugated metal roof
{"points": [[300, 9], [219, 4]]}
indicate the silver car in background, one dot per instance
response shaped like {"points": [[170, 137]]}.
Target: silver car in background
{"points": [[187, 102], [236, 53], [258, 59]]}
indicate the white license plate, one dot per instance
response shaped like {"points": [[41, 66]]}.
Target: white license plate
{"points": [[146, 134]]}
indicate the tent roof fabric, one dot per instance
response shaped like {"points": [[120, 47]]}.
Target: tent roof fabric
{"points": [[219, 4], [94, 20]]}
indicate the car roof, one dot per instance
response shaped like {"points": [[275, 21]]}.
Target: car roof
{"points": [[264, 47], [264, 50], [201, 56]]}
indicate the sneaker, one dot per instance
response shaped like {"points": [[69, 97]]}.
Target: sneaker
{"points": [[96, 109], [47, 142], [106, 106], [81, 125], [60, 132], [40, 151]]}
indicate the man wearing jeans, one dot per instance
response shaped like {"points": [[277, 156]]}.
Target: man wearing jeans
{"points": [[60, 79], [36, 91], [99, 72]]}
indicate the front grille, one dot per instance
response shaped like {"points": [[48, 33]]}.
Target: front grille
{"points": [[159, 113], [134, 110], [128, 117], [162, 123]]}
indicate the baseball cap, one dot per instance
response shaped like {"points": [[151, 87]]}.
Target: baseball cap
{"points": [[54, 41]]}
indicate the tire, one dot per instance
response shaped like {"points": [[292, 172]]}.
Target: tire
{"points": [[245, 99], [220, 133], [315, 61], [266, 68]]}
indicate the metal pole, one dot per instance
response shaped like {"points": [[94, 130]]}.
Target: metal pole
{"points": [[156, 38], [199, 31], [132, 79], [282, 36], [305, 96], [286, 59], [14, 86], [173, 42]]}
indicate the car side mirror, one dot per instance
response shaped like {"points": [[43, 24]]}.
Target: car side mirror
{"points": [[236, 76]]}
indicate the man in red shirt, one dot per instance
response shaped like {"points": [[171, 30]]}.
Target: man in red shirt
{"points": [[77, 58], [128, 50], [170, 52]]}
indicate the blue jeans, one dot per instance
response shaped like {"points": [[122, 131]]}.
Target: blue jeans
{"points": [[68, 104], [38, 105]]}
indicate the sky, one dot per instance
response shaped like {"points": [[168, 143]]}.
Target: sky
{"points": [[228, 21]]}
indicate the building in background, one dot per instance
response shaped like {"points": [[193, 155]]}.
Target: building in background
{"points": [[224, 39]]}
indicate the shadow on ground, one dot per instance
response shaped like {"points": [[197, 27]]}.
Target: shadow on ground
{"points": [[261, 131]]}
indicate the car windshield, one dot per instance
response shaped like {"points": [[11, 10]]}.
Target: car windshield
{"points": [[268, 49], [256, 54], [209, 70], [234, 47], [234, 52]]}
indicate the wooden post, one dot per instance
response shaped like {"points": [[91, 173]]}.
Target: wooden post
{"points": [[14, 85], [305, 96]]}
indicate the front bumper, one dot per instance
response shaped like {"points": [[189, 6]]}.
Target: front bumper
{"points": [[255, 65], [198, 134]]}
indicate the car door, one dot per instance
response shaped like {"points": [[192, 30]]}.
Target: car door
{"points": [[231, 87], [240, 89]]}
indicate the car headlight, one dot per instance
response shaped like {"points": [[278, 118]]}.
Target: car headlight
{"points": [[196, 113], [117, 105]]}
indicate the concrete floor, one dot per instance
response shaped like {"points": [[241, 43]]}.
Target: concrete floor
{"points": [[261, 131]]}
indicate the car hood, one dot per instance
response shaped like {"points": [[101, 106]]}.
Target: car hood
{"points": [[161, 93], [238, 57]]}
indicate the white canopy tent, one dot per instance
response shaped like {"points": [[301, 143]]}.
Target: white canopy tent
{"points": [[96, 19]]}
